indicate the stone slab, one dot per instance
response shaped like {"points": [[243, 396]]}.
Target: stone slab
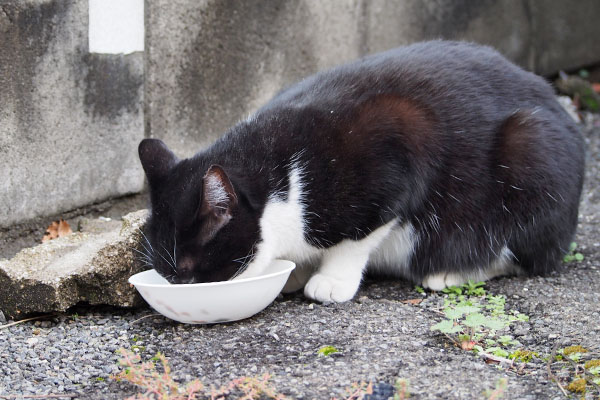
{"points": [[90, 266]]}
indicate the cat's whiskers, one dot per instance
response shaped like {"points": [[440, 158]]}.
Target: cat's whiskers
{"points": [[149, 249], [144, 257], [172, 262], [167, 261], [174, 247], [552, 197], [148, 252], [243, 259], [146, 262], [245, 263]]}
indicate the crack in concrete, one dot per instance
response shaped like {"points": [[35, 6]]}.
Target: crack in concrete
{"points": [[6, 14]]}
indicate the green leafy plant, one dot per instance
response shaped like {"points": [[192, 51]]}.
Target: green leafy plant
{"points": [[419, 289], [453, 291], [585, 370], [473, 288], [327, 350], [577, 386], [474, 320], [138, 349], [573, 255], [573, 352], [497, 351], [523, 355], [592, 364]]}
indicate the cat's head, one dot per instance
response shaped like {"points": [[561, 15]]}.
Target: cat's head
{"points": [[201, 229]]}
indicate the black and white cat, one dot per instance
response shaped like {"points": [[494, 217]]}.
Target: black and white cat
{"points": [[438, 162]]}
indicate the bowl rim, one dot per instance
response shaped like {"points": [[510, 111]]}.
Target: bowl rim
{"points": [[291, 266]]}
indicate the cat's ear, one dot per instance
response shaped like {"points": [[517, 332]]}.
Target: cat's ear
{"points": [[218, 201], [157, 160]]}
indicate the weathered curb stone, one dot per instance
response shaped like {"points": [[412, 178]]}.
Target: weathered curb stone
{"points": [[90, 266]]}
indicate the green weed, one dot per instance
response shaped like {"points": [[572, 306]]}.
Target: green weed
{"points": [[572, 255], [474, 319], [327, 350]]}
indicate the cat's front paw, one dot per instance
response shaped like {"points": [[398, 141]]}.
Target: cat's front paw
{"points": [[328, 289]]}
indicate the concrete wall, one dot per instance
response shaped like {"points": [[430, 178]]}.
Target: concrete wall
{"points": [[210, 63], [70, 120]]}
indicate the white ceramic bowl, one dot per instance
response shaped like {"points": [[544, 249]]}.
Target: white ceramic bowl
{"points": [[213, 302]]}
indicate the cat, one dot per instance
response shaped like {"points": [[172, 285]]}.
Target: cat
{"points": [[437, 162]]}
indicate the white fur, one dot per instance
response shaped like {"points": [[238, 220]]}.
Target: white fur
{"points": [[393, 255], [282, 235], [282, 230], [215, 191], [342, 267], [502, 265]]}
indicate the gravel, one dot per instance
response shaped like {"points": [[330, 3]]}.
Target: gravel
{"points": [[380, 338]]}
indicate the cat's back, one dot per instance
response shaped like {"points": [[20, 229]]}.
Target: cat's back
{"points": [[453, 76]]}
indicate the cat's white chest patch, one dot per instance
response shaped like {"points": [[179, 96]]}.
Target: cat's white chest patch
{"points": [[282, 229]]}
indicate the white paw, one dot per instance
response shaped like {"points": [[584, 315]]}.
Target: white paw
{"points": [[327, 289], [453, 279], [434, 281], [443, 280]]}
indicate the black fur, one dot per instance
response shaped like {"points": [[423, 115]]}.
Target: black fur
{"points": [[474, 151]]}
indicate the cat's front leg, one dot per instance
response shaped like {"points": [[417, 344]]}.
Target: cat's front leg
{"points": [[341, 270], [339, 276]]}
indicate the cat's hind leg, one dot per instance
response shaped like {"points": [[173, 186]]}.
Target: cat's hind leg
{"points": [[501, 266], [342, 267]]}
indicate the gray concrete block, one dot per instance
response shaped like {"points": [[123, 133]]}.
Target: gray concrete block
{"points": [[565, 34], [211, 63], [70, 121], [501, 24], [90, 266]]}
